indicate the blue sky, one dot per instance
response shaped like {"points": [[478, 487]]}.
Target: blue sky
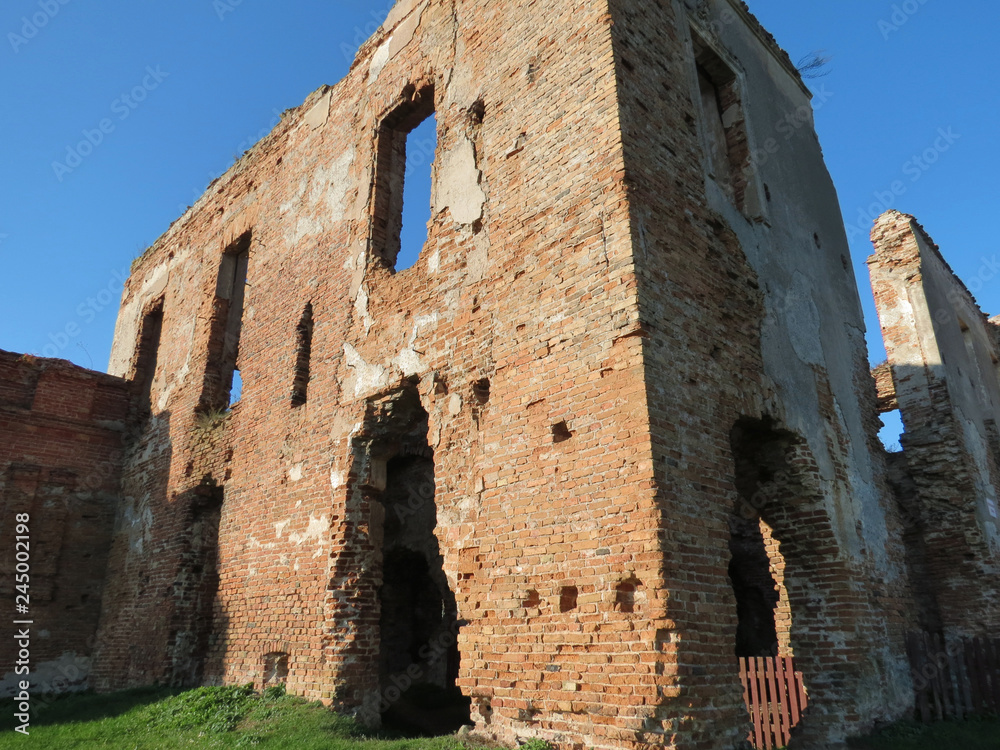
{"points": [[170, 93]]}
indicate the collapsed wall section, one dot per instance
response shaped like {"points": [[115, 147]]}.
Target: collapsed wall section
{"points": [[61, 430], [943, 356]]}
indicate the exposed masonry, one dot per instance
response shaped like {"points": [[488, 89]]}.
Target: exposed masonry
{"points": [[614, 427], [61, 433], [942, 376]]}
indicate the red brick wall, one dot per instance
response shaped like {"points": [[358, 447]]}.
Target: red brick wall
{"points": [[539, 300], [61, 433], [575, 262]]}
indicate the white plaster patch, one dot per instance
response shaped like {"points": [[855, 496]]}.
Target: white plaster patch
{"points": [[320, 199], [319, 113], [368, 377], [155, 282], [296, 200], [802, 320], [399, 11], [422, 321], [130, 318], [181, 376], [330, 185], [316, 531], [478, 258], [379, 60], [460, 84], [279, 528], [338, 479], [295, 473], [404, 32], [361, 307], [304, 227], [457, 184], [408, 362]]}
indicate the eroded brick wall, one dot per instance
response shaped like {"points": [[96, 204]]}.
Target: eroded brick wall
{"points": [[943, 356], [759, 389], [606, 351], [61, 431], [516, 328]]}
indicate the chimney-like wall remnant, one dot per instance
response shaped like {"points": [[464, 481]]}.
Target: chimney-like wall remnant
{"points": [[943, 355]]}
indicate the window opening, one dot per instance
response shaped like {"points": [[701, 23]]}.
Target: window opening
{"points": [[303, 355], [223, 385], [722, 113], [407, 142], [146, 359]]}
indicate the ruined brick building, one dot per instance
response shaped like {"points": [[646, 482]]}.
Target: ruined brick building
{"points": [[942, 375], [613, 428]]}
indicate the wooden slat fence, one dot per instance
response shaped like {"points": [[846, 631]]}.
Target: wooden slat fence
{"points": [[774, 696], [954, 680]]}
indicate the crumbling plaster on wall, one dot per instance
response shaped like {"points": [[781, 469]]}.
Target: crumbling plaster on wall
{"points": [[70, 673], [941, 355], [813, 319], [532, 287], [457, 183], [923, 321], [321, 198], [130, 318]]}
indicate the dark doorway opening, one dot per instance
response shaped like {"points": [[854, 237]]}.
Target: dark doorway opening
{"points": [[195, 587], [755, 589], [418, 622], [781, 558]]}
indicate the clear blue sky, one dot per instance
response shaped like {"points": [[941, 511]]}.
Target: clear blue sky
{"points": [[216, 74]]}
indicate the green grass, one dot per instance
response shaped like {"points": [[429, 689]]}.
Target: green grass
{"points": [[237, 717], [982, 734], [231, 717]]}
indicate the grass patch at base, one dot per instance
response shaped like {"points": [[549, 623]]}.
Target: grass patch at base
{"points": [[208, 717], [975, 734]]}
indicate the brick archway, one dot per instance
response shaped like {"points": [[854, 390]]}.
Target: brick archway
{"points": [[778, 482]]}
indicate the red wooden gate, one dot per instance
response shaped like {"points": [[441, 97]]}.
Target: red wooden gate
{"points": [[774, 696]]}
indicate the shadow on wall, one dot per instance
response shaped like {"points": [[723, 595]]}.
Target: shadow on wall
{"points": [[60, 466], [782, 533], [417, 605], [197, 624], [944, 476], [131, 638], [163, 622]]}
